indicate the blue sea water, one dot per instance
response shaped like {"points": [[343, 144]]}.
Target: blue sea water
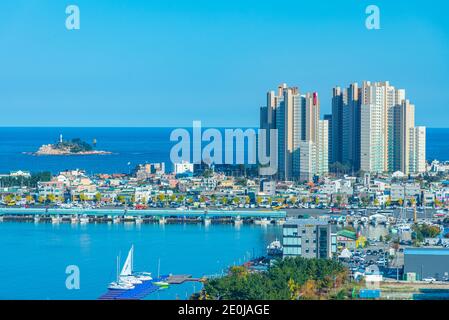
{"points": [[129, 145], [34, 257]]}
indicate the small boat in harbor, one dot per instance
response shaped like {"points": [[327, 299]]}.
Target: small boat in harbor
{"points": [[119, 284], [116, 219], [238, 221], [161, 284], [74, 219], [280, 222], [56, 219], [274, 248], [139, 220], [128, 275], [262, 222], [84, 219]]}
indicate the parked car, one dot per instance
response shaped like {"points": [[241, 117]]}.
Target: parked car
{"points": [[429, 280]]}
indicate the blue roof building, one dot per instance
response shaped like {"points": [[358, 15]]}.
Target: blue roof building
{"points": [[427, 262]]}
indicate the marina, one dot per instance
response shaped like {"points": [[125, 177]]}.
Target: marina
{"points": [[189, 252]]}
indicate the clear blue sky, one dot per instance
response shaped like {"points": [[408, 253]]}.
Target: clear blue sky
{"points": [[168, 62]]}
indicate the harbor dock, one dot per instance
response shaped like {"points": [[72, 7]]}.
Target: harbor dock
{"points": [[140, 291], [56, 215]]}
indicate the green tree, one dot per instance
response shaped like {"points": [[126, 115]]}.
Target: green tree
{"points": [[7, 198], [121, 199], [287, 279], [51, 198]]}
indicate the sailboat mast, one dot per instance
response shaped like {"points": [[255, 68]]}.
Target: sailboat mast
{"points": [[118, 262], [159, 267], [132, 259]]}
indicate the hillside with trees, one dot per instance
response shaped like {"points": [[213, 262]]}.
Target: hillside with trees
{"points": [[288, 279]]}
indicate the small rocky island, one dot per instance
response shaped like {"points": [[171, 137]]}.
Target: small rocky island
{"points": [[68, 148]]}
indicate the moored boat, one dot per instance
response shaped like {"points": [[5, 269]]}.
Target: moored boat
{"points": [[161, 283], [84, 220], [274, 248], [119, 284], [139, 220], [56, 219], [129, 275]]}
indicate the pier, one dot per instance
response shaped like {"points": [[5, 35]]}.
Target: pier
{"points": [[140, 291], [75, 216]]}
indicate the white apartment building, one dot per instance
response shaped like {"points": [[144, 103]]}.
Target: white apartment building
{"points": [[417, 155], [372, 138], [307, 153], [183, 167], [405, 191], [323, 147], [389, 139]]}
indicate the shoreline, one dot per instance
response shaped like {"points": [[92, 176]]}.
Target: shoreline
{"points": [[139, 212], [87, 153]]}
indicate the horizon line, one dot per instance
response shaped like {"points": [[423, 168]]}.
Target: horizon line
{"points": [[148, 127]]}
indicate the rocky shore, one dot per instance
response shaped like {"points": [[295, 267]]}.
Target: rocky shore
{"points": [[51, 150]]}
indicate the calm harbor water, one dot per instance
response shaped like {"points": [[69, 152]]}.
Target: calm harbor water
{"points": [[34, 257]]}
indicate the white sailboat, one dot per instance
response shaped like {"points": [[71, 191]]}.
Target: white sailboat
{"points": [[128, 275], [120, 285]]}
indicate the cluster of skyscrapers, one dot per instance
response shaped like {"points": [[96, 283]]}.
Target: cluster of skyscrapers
{"points": [[371, 129]]}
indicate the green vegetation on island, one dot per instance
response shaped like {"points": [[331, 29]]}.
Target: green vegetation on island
{"points": [[74, 146], [68, 147]]}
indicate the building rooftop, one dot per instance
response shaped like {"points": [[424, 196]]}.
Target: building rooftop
{"points": [[426, 251], [302, 222], [347, 234]]}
